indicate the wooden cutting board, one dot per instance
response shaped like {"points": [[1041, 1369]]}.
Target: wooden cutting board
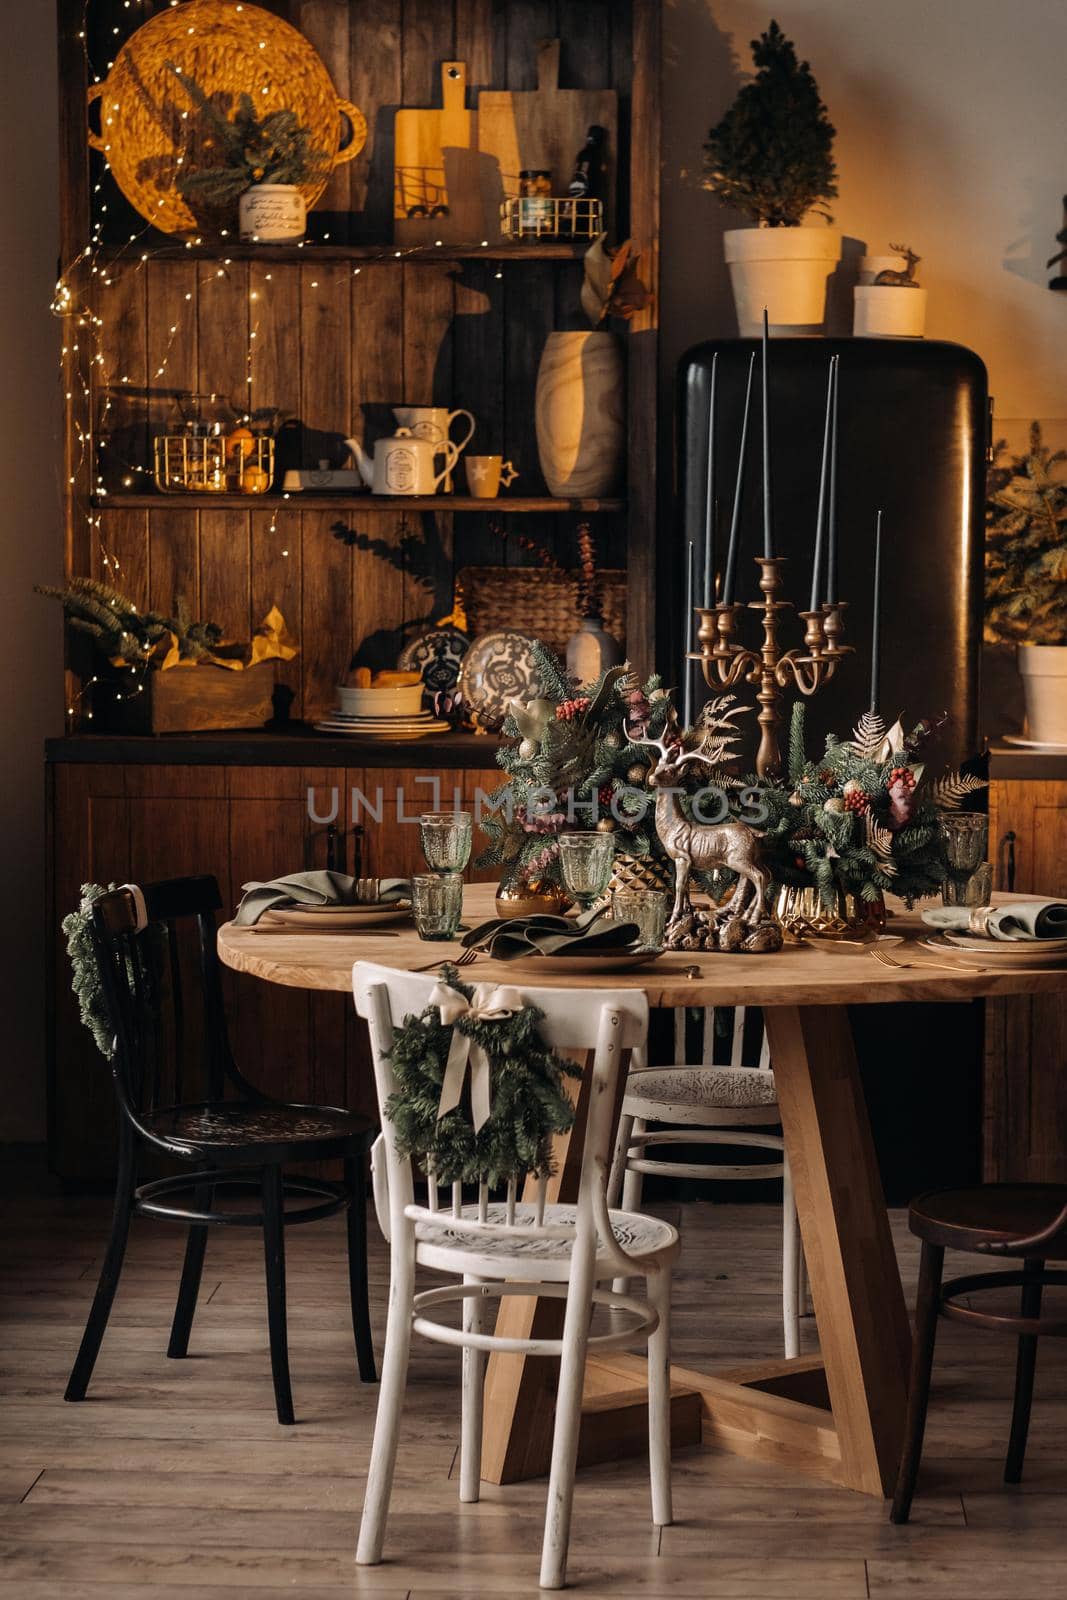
{"points": [[545, 128], [436, 168]]}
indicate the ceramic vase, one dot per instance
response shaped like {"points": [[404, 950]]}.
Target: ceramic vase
{"points": [[803, 915], [579, 412], [784, 269], [591, 651], [888, 311]]}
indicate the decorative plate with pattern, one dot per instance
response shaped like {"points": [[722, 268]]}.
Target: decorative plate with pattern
{"points": [[437, 655], [497, 668]]}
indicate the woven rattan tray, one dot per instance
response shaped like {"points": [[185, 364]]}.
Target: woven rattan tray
{"points": [[537, 601], [228, 49]]}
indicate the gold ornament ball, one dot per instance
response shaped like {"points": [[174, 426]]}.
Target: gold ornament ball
{"points": [[606, 825], [527, 749], [613, 741], [636, 774], [835, 803]]}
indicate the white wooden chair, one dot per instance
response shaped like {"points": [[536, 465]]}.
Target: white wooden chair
{"points": [[562, 1251], [715, 1105]]}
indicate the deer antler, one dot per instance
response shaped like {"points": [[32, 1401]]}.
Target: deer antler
{"points": [[653, 744]]}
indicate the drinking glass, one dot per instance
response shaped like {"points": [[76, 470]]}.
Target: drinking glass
{"points": [[437, 902], [585, 862], [445, 837], [965, 835], [645, 907]]}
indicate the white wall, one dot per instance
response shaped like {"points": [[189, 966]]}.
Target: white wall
{"points": [[951, 118], [31, 681]]}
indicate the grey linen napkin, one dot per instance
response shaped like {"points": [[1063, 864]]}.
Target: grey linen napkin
{"points": [[1018, 920], [505, 938], [310, 889]]}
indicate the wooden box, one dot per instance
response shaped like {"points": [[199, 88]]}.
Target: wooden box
{"points": [[186, 700]]}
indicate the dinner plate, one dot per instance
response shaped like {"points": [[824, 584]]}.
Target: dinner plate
{"points": [[498, 668], [609, 961], [975, 941], [996, 953], [329, 918], [416, 730]]}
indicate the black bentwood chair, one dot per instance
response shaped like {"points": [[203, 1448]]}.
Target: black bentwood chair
{"points": [[1026, 1220], [242, 1141]]}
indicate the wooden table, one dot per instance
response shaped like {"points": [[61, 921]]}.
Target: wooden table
{"points": [[837, 1416]]}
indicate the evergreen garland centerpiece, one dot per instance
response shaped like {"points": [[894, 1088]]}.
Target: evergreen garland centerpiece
{"points": [[1026, 546], [528, 1102], [573, 766], [861, 820]]}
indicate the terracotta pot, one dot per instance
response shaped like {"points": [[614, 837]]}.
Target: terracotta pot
{"points": [[784, 269], [579, 413], [1044, 675]]}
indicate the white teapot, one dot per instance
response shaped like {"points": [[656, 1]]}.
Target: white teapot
{"points": [[403, 464]]}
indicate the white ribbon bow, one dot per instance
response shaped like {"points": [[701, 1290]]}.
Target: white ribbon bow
{"points": [[487, 1005]]}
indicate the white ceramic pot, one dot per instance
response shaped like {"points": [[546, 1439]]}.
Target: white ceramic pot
{"points": [[271, 213], [591, 651], [784, 269], [579, 412], [871, 266], [1044, 674], [888, 311]]}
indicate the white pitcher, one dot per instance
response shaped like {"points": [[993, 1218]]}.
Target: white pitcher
{"points": [[435, 423]]}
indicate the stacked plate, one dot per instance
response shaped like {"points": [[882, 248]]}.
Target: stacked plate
{"points": [[414, 726], [971, 950], [335, 918]]}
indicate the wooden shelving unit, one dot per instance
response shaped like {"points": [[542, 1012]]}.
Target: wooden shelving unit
{"points": [[301, 500], [322, 250]]}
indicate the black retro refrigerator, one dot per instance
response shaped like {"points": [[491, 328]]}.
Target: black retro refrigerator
{"points": [[912, 438]]}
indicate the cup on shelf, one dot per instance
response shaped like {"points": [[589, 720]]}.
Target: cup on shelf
{"points": [[647, 909], [485, 474], [437, 904], [445, 837], [585, 863]]}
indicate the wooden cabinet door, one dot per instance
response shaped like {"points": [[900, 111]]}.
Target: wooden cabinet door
{"points": [[1025, 1111]]}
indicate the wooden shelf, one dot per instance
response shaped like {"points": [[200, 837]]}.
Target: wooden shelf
{"points": [[224, 250], [505, 505]]}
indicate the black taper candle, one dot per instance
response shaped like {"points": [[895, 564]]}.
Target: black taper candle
{"points": [[832, 595], [877, 618], [709, 500], [768, 540], [739, 485]]}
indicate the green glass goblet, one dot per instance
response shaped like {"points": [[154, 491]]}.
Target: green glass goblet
{"points": [[585, 862], [445, 837]]}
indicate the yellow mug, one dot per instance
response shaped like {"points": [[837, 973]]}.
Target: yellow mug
{"points": [[485, 474]]}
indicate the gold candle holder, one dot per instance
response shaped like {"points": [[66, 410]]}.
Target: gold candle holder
{"points": [[771, 670]]}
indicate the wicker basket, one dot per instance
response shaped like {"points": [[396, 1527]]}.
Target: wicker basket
{"points": [[143, 131], [537, 601]]}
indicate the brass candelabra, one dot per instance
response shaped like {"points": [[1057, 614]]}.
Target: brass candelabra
{"points": [[726, 663]]}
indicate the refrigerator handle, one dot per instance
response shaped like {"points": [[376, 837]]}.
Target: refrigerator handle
{"points": [[989, 431], [1006, 861]]}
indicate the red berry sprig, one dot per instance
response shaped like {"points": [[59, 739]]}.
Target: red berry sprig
{"points": [[567, 710]]}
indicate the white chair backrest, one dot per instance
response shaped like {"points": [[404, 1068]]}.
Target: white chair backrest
{"points": [[608, 1022], [737, 1039]]}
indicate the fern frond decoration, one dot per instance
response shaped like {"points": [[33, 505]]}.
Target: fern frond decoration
{"points": [[880, 844], [950, 791], [868, 736]]}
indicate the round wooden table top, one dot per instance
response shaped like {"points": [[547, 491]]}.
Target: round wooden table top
{"points": [[807, 974]]}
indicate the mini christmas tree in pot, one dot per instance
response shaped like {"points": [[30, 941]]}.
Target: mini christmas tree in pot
{"points": [[1026, 577], [771, 158]]}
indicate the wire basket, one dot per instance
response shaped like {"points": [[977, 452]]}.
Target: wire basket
{"points": [[543, 216], [197, 462], [540, 602]]}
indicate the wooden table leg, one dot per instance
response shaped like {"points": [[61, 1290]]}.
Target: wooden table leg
{"points": [[837, 1417], [855, 1283]]}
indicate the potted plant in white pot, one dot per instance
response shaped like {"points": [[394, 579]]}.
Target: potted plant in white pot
{"points": [[771, 158], [261, 164], [1026, 577]]}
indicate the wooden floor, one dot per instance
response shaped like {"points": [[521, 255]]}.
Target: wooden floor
{"points": [[173, 1479]]}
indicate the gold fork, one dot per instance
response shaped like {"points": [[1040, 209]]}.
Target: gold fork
{"points": [[887, 960], [469, 955]]}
